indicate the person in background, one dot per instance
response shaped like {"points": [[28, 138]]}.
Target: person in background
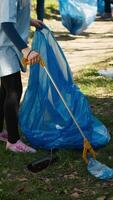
{"points": [[40, 9], [14, 29], [107, 11]]}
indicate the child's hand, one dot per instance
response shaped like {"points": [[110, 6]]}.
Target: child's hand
{"points": [[31, 56]]}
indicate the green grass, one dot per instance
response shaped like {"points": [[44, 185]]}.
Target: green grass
{"points": [[69, 174]]}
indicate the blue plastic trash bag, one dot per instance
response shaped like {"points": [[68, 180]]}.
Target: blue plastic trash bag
{"points": [[43, 117], [77, 15], [106, 72], [99, 170]]}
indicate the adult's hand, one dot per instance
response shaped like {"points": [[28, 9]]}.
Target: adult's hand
{"points": [[36, 23]]}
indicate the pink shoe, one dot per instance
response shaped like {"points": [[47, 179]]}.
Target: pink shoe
{"points": [[19, 146], [4, 136]]}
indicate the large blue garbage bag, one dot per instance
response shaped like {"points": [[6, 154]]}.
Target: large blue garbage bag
{"points": [[77, 15], [43, 117]]}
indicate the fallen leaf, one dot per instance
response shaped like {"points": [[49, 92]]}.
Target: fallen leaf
{"points": [[78, 190], [101, 198], [65, 176], [47, 180], [75, 195], [22, 189], [22, 179], [70, 176]]}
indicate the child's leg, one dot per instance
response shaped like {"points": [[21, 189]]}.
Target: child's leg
{"points": [[2, 99], [13, 88]]}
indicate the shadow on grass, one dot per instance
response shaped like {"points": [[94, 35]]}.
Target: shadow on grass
{"points": [[101, 19], [64, 37], [98, 35], [102, 108], [52, 16], [99, 93], [53, 13]]}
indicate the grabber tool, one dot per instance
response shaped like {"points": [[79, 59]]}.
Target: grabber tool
{"points": [[87, 148]]}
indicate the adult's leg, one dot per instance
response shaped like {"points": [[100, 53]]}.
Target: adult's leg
{"points": [[2, 100], [107, 6], [40, 9], [13, 87]]}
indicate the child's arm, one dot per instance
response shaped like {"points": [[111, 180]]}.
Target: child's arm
{"points": [[13, 35]]}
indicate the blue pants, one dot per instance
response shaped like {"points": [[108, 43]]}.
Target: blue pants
{"points": [[40, 9]]}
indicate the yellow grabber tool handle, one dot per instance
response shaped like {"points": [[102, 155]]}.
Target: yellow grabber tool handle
{"points": [[87, 146], [25, 61], [88, 149]]}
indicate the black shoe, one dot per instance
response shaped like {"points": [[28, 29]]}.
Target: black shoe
{"points": [[107, 16]]}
